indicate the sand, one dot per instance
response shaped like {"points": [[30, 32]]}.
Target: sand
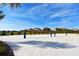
{"points": [[44, 45]]}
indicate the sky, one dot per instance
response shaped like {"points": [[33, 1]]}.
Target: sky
{"points": [[40, 15]]}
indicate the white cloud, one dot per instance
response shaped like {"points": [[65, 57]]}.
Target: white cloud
{"points": [[60, 14], [43, 10], [63, 13], [36, 9], [23, 16]]}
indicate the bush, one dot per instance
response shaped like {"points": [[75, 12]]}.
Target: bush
{"points": [[5, 49], [3, 33], [12, 33], [19, 33]]}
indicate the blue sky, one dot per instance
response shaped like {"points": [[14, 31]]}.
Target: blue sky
{"points": [[33, 15]]}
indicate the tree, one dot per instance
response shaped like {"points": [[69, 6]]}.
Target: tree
{"points": [[46, 29], [19, 33], [12, 5], [12, 33], [3, 33], [1, 15]]}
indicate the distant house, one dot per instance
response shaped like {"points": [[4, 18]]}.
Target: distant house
{"points": [[37, 29], [53, 29]]}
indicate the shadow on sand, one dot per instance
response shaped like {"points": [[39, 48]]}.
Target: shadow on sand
{"points": [[13, 45], [42, 44]]}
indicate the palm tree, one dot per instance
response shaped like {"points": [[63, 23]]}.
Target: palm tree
{"points": [[1, 15], [12, 5]]}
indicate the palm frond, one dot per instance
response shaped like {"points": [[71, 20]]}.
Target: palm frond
{"points": [[12, 5], [1, 15]]}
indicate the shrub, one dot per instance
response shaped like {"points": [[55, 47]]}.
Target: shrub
{"points": [[5, 49]]}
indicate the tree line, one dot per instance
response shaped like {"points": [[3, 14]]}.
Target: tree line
{"points": [[45, 30]]}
